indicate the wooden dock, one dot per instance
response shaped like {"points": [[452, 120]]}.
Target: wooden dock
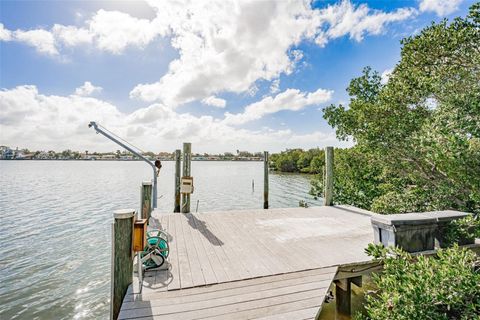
{"points": [[250, 264]]}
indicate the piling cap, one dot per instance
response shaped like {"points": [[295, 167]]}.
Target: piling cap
{"points": [[123, 213]]}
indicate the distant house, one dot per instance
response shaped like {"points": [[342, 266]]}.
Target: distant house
{"points": [[165, 156], [24, 156], [108, 157], [6, 153]]}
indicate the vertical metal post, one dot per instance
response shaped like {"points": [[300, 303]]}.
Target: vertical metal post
{"points": [[187, 158], [265, 180], [328, 182], [178, 159], [122, 258]]}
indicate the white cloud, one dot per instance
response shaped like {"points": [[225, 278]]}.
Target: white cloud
{"points": [[113, 31], [46, 122], [345, 18], [43, 41], [5, 34], [87, 89], [223, 45], [36, 121], [215, 102], [385, 76], [440, 7], [110, 31], [290, 99], [275, 86], [72, 36], [228, 46]]}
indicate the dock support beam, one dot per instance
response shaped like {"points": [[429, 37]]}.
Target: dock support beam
{"points": [[343, 291], [343, 295], [328, 196], [187, 158], [178, 159], [146, 200], [265, 180], [122, 258]]}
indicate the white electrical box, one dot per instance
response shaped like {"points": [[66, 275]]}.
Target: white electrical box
{"points": [[186, 185]]}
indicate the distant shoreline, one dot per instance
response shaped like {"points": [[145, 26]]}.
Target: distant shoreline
{"points": [[133, 160]]}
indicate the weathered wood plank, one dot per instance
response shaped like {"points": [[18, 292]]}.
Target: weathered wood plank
{"points": [[205, 238], [289, 250], [222, 305], [202, 256], [247, 251], [194, 259], [235, 256], [241, 310], [302, 314], [247, 285], [160, 299], [266, 254], [185, 272]]}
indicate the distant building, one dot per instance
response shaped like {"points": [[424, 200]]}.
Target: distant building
{"points": [[108, 157], [6, 153]]}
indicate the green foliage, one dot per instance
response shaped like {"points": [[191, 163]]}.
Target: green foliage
{"points": [[417, 136], [446, 286], [298, 160], [356, 180], [462, 230]]}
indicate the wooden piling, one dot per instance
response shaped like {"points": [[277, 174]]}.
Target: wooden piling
{"points": [[146, 200], [122, 258], [343, 297], [186, 172], [343, 291], [265, 180], [178, 159], [328, 182]]}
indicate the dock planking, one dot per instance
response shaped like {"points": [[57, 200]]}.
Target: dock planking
{"points": [[270, 264]]}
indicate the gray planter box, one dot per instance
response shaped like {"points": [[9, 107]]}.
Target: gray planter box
{"points": [[413, 232], [443, 219]]}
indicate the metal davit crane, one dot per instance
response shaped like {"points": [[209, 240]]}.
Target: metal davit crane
{"points": [[126, 145]]}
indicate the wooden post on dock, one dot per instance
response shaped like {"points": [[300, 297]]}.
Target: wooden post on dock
{"points": [[146, 200], [187, 158], [265, 180], [122, 258], [178, 159], [328, 194]]}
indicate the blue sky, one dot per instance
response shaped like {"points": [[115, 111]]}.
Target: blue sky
{"points": [[224, 76]]}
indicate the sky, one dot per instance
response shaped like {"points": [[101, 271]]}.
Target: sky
{"points": [[223, 75]]}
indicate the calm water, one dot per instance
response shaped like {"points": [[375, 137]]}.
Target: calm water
{"points": [[56, 218]]}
